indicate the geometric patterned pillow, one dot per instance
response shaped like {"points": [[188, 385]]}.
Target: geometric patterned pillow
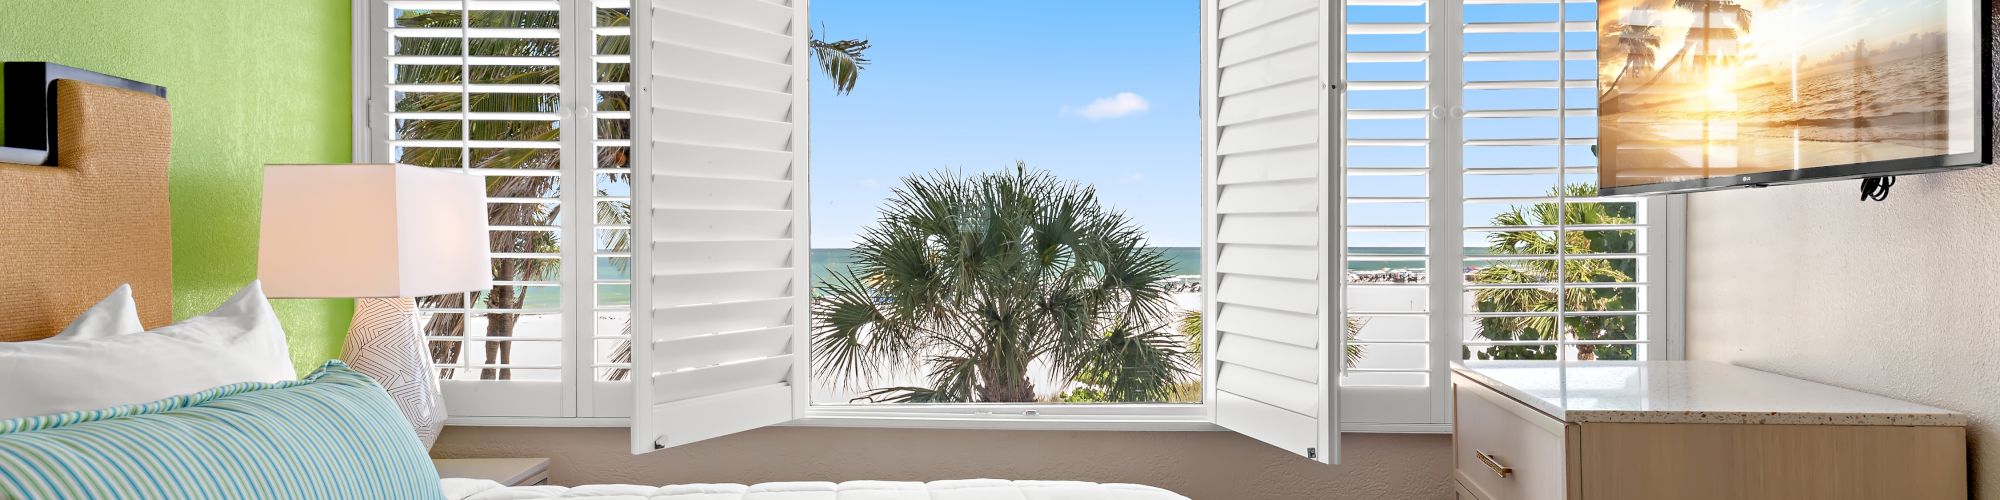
{"points": [[333, 434]]}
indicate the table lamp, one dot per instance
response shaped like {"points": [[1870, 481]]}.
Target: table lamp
{"points": [[382, 234]]}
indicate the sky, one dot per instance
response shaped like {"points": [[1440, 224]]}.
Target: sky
{"points": [[1107, 93], [1103, 92]]}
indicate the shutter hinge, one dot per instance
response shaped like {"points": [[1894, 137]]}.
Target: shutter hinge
{"points": [[1312, 453]]}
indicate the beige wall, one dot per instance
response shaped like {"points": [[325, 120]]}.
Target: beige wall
{"points": [[1898, 298], [1201, 465]]}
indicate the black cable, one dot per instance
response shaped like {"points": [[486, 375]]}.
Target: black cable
{"points": [[1876, 188]]}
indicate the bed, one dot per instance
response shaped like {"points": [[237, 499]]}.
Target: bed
{"points": [[97, 216]]}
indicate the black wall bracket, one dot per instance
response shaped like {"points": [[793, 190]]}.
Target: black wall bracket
{"points": [[28, 92]]}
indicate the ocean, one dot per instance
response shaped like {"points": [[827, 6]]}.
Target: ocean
{"points": [[1186, 261]]}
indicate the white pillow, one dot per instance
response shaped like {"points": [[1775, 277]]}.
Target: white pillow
{"points": [[240, 341], [117, 314]]}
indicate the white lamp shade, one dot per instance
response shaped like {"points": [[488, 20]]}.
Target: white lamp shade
{"points": [[377, 230]]}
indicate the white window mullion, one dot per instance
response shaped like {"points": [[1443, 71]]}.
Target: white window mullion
{"points": [[1447, 157], [643, 427], [577, 189], [1563, 342], [1667, 243]]}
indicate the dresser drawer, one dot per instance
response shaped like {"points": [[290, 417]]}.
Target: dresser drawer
{"points": [[1458, 492], [1503, 450]]}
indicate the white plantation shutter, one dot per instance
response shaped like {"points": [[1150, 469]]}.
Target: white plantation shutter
{"points": [[1456, 112], [467, 85], [721, 332], [1527, 108], [1392, 177], [1274, 318]]}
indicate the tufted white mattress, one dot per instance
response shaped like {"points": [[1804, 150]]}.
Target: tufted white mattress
{"points": [[968, 489]]}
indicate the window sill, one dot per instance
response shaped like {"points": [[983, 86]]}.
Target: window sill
{"points": [[902, 420], [1072, 424], [537, 422], [1394, 428], [1060, 417]]}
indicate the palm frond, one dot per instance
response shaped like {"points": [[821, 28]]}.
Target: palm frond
{"points": [[1542, 274], [840, 60], [979, 277]]}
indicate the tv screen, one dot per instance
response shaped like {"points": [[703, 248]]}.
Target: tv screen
{"points": [[1706, 94]]}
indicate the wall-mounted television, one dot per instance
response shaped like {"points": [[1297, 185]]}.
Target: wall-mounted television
{"points": [[1710, 94]]}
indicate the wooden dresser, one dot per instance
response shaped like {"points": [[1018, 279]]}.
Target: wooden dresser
{"points": [[1530, 430]]}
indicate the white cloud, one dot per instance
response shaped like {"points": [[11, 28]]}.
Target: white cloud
{"points": [[1117, 106]]}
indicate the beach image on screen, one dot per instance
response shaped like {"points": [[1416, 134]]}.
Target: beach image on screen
{"points": [[1693, 89]]}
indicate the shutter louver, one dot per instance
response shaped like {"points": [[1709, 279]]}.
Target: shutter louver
{"points": [[722, 161], [1276, 344]]}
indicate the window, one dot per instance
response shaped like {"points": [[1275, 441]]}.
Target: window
{"points": [[1471, 129], [1099, 108], [683, 295], [500, 89], [729, 253]]}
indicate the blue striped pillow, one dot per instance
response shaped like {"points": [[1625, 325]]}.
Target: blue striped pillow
{"points": [[333, 434]]}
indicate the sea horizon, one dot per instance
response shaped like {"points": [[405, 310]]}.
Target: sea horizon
{"points": [[1186, 261]]}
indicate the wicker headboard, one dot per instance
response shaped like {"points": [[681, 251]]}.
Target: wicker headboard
{"points": [[97, 217]]}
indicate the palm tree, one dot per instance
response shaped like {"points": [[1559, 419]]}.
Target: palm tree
{"points": [[1583, 330], [975, 279]]}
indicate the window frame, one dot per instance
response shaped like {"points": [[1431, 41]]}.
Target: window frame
{"points": [[1665, 228], [587, 402]]}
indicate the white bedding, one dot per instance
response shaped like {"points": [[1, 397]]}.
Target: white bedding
{"points": [[968, 489]]}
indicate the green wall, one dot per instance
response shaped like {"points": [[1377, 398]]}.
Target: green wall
{"points": [[251, 82]]}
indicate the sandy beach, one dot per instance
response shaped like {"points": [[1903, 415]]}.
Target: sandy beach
{"points": [[538, 343], [1046, 384]]}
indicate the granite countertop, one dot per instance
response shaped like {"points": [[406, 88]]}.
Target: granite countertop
{"points": [[1690, 392]]}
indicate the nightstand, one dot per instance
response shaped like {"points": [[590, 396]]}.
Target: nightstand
{"points": [[507, 471]]}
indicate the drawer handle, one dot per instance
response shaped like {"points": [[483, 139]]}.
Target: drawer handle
{"points": [[1493, 463]]}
